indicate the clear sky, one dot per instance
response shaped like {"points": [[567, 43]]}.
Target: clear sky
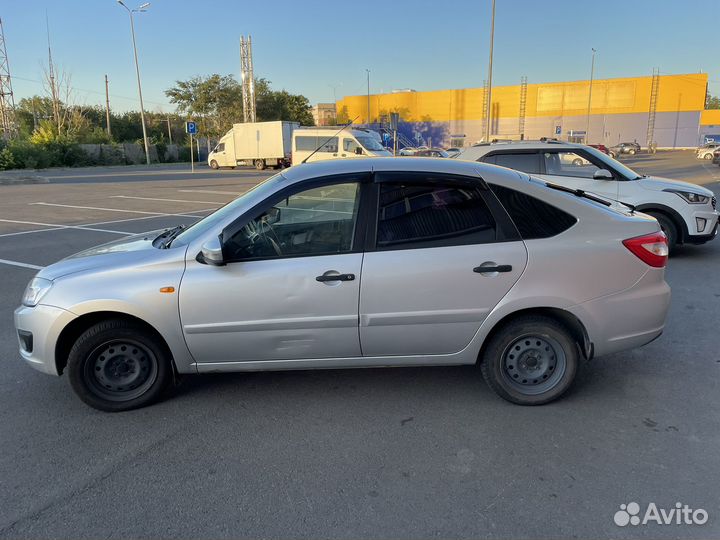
{"points": [[309, 47]]}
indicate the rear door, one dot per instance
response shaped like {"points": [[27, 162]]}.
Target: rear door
{"points": [[423, 288]]}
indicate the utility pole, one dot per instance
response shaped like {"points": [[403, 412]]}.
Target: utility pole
{"points": [[139, 9], [247, 79], [107, 108], [368, 96], [51, 75], [488, 111], [169, 132], [592, 74], [7, 100]]}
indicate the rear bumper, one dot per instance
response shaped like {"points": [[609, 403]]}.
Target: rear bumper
{"points": [[38, 329], [627, 319]]}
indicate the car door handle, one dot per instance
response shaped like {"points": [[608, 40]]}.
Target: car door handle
{"points": [[497, 268], [335, 277]]}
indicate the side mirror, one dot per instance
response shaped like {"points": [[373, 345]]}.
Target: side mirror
{"points": [[272, 216], [359, 151], [211, 252], [603, 174]]}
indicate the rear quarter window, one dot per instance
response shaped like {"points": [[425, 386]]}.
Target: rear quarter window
{"points": [[532, 217]]}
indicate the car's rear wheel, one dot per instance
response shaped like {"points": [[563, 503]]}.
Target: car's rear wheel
{"points": [[708, 156], [117, 365], [577, 162], [667, 225], [631, 152], [214, 165], [532, 360], [260, 164]]}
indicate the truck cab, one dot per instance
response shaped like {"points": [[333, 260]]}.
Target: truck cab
{"points": [[331, 143]]}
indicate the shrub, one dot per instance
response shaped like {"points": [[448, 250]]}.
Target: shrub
{"points": [[7, 160]]}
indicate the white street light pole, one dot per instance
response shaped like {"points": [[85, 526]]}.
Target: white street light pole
{"points": [[138, 9], [488, 112], [592, 74]]}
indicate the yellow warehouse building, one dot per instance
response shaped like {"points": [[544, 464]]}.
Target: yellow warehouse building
{"points": [[620, 110]]}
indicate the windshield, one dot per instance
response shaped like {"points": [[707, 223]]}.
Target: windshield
{"points": [[627, 172], [370, 143], [199, 228]]}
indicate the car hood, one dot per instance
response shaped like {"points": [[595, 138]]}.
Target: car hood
{"points": [[133, 249], [655, 183]]}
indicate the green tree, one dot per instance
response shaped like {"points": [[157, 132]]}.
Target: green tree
{"points": [[712, 102]]}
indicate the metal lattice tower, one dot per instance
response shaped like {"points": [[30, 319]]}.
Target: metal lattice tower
{"points": [[486, 96], [654, 88], [7, 100], [523, 106], [247, 78]]}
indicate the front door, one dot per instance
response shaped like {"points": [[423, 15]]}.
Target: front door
{"points": [[576, 170], [439, 266], [291, 289]]}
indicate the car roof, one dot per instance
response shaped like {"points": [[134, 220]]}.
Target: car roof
{"points": [[476, 151], [306, 171]]}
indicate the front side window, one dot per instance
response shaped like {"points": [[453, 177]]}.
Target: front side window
{"points": [[350, 145], [317, 221], [220, 147], [569, 164], [524, 162], [370, 143], [429, 215]]}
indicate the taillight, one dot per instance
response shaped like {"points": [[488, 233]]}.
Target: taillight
{"points": [[652, 248]]}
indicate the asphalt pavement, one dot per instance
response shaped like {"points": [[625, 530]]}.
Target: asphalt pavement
{"points": [[376, 453]]}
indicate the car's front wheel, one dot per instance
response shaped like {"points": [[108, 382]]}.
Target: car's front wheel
{"points": [[117, 365], [214, 165], [532, 360], [667, 226]]}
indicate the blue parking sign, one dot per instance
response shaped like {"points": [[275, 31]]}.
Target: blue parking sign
{"points": [[191, 128]]}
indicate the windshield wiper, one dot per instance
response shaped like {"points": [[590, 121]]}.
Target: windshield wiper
{"points": [[168, 236], [578, 193]]}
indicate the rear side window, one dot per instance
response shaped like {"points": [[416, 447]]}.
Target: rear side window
{"points": [[529, 163], [533, 217], [431, 215]]}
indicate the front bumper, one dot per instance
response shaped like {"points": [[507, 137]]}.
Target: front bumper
{"points": [[708, 231], [38, 329]]}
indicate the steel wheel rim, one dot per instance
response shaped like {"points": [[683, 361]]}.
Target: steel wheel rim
{"points": [[533, 364], [121, 370]]}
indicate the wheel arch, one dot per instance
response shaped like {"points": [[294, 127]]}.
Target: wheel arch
{"points": [[69, 335], [568, 320], [676, 218]]}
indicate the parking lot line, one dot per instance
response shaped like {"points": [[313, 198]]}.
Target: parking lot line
{"points": [[21, 264], [54, 227], [160, 199], [117, 209], [211, 191]]}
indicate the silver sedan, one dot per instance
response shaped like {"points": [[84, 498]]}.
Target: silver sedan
{"points": [[357, 263]]}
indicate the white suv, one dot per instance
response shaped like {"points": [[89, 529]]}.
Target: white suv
{"points": [[686, 212]]}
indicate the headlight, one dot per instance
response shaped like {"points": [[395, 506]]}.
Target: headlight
{"points": [[690, 197], [35, 290]]}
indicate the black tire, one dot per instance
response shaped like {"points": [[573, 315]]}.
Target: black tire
{"points": [[214, 165], [260, 164], [708, 156], [577, 162], [134, 376], [631, 152], [541, 371], [668, 227]]}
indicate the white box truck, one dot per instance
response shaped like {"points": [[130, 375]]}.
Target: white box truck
{"points": [[260, 144]]}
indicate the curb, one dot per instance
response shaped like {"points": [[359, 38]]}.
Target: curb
{"points": [[21, 179]]}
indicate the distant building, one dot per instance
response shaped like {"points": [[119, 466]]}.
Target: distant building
{"points": [[620, 111], [324, 114]]}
